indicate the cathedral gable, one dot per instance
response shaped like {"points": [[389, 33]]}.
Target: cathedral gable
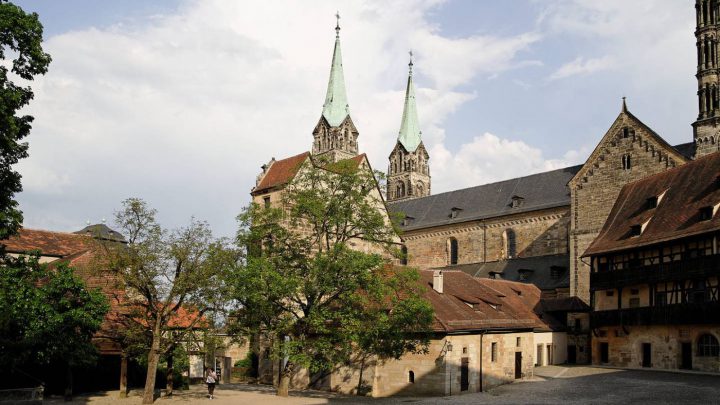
{"points": [[628, 144]]}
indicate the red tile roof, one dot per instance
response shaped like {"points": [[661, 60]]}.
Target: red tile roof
{"points": [[281, 171], [469, 303], [688, 188], [49, 243]]}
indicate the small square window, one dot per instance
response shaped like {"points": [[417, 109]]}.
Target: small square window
{"points": [[635, 230], [518, 341], [464, 350], [609, 293], [266, 201]]}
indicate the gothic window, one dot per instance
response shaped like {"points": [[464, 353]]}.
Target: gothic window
{"points": [[626, 162], [400, 192], [420, 190], [509, 249], [707, 346], [626, 132], [409, 188], [453, 248]]}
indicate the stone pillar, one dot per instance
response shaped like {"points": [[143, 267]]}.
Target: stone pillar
{"points": [[123, 376]]}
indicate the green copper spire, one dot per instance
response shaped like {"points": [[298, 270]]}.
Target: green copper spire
{"points": [[410, 134], [336, 106]]}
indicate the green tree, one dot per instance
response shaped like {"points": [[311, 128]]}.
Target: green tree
{"points": [[47, 316], [307, 287], [172, 280], [21, 39]]}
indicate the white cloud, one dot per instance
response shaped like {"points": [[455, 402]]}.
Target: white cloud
{"points": [[182, 109], [580, 66], [488, 158]]}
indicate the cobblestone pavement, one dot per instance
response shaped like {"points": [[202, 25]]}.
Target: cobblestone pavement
{"points": [[551, 385]]}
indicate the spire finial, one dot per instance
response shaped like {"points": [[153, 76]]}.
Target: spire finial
{"points": [[337, 25], [624, 105], [411, 61]]}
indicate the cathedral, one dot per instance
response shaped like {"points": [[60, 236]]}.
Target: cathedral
{"points": [[543, 229]]}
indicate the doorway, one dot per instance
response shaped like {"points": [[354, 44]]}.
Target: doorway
{"points": [[464, 374], [550, 359], [572, 354], [646, 355], [686, 353], [539, 359], [604, 352], [518, 365]]}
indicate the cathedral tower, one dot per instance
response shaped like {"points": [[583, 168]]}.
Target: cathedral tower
{"points": [[409, 171], [706, 130], [335, 134]]}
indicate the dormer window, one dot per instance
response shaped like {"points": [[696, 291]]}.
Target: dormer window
{"points": [[407, 220], [454, 211], [652, 202], [523, 274], [635, 230], [706, 213], [495, 275], [516, 201]]}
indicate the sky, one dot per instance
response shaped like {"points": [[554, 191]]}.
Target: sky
{"points": [[179, 102]]}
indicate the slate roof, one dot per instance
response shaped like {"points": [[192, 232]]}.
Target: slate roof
{"points": [[688, 188], [538, 270], [469, 304], [686, 149], [101, 231], [537, 191]]}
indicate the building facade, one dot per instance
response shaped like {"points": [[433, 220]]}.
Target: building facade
{"points": [[656, 272]]}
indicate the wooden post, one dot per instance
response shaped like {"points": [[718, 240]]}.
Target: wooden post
{"points": [[123, 376]]}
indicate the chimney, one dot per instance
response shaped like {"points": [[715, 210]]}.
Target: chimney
{"points": [[438, 281]]}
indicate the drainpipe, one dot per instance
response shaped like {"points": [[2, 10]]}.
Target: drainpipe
{"points": [[482, 223], [482, 333]]}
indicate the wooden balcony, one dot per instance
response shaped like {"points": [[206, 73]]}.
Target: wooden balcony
{"points": [[697, 268], [679, 314]]}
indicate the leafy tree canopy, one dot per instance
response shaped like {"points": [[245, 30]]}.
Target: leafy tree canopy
{"points": [[318, 281], [47, 315], [21, 42]]}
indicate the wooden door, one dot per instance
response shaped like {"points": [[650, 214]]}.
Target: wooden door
{"points": [[464, 374], [518, 365], [604, 352]]}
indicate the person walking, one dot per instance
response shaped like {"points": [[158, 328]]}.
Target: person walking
{"points": [[211, 379]]}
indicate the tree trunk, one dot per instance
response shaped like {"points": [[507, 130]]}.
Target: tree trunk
{"points": [[283, 389], [153, 360], [68, 383], [169, 378], [360, 378], [123, 376]]}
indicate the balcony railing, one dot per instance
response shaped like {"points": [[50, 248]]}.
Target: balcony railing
{"points": [[700, 267], [678, 314]]}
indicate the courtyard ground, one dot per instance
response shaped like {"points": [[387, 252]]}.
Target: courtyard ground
{"points": [[551, 385]]}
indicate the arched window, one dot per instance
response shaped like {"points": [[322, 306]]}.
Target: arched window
{"points": [[400, 190], [707, 346], [509, 244], [411, 377], [403, 256], [626, 163], [409, 188], [453, 248]]}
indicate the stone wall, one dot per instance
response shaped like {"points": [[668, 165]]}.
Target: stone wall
{"points": [[536, 233], [596, 187], [625, 349]]}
